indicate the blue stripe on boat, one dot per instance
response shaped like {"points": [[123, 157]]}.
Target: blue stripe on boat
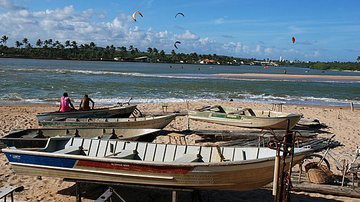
{"points": [[40, 160]]}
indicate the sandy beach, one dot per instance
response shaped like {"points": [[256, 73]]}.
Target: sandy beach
{"points": [[341, 121], [290, 76]]}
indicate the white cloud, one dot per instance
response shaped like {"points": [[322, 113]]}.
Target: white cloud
{"points": [[219, 21], [85, 26], [187, 35], [6, 4], [268, 51]]}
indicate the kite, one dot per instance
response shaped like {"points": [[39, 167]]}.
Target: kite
{"points": [[177, 42], [134, 15], [293, 39], [179, 14]]}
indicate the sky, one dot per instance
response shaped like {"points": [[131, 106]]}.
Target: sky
{"points": [[325, 30]]}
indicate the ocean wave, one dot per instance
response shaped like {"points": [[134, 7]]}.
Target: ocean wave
{"points": [[94, 72], [246, 97], [172, 76]]}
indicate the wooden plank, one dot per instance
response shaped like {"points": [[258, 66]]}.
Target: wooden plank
{"points": [[327, 189], [4, 191], [323, 189]]}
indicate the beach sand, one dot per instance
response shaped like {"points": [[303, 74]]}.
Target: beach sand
{"points": [[341, 121]]}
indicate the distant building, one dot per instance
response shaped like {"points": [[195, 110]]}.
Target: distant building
{"points": [[208, 61], [142, 59]]}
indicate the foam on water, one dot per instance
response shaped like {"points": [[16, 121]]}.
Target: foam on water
{"points": [[174, 76], [240, 97]]}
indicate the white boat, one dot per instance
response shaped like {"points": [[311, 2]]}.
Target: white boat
{"points": [[245, 117], [183, 166], [38, 137], [158, 122], [123, 111]]}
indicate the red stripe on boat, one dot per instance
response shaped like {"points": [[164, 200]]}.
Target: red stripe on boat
{"points": [[134, 167]]}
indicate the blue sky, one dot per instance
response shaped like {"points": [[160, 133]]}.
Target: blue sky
{"points": [[325, 30]]}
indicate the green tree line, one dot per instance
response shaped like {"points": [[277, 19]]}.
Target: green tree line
{"points": [[72, 50]]}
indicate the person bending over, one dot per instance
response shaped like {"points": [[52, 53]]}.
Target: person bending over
{"points": [[85, 103]]}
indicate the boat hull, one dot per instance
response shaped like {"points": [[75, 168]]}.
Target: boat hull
{"points": [[37, 138], [112, 112], [159, 122], [278, 123], [242, 176]]}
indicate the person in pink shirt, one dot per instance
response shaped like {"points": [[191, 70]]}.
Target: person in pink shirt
{"points": [[65, 104]]}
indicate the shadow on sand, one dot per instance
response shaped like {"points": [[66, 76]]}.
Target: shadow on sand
{"points": [[131, 194]]}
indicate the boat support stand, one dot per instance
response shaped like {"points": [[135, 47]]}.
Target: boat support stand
{"points": [[110, 193]]}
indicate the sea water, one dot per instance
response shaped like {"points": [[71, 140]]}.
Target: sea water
{"points": [[44, 81]]}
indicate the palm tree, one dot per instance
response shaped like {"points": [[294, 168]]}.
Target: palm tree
{"points": [[25, 41], [131, 48], [149, 50], [92, 45], [123, 49], [56, 44], [74, 44], [67, 43], [18, 44], [4, 39], [358, 59], [156, 51], [39, 43]]}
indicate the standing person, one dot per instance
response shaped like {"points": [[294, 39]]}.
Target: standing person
{"points": [[84, 104], [65, 104]]}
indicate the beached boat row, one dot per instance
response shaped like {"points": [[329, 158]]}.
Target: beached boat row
{"points": [[103, 145]]}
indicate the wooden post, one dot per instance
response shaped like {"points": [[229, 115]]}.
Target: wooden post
{"points": [[78, 191], [352, 106], [300, 173], [174, 196], [276, 175], [343, 173], [188, 121]]}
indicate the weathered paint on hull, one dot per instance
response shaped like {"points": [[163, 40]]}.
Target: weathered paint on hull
{"points": [[157, 123], [279, 123], [245, 176], [119, 112]]}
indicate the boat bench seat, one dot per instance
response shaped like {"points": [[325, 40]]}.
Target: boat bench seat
{"points": [[33, 135], [71, 120], [126, 154], [108, 136], [72, 150], [189, 158]]}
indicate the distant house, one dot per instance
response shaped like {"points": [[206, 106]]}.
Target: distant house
{"points": [[208, 61], [142, 59]]}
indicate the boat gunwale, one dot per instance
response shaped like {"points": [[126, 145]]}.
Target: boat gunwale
{"points": [[81, 111], [130, 119], [153, 163], [290, 115]]}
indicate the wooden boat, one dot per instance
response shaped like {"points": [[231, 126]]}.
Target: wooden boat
{"points": [[134, 122], [183, 166], [37, 138], [109, 112], [245, 117]]}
